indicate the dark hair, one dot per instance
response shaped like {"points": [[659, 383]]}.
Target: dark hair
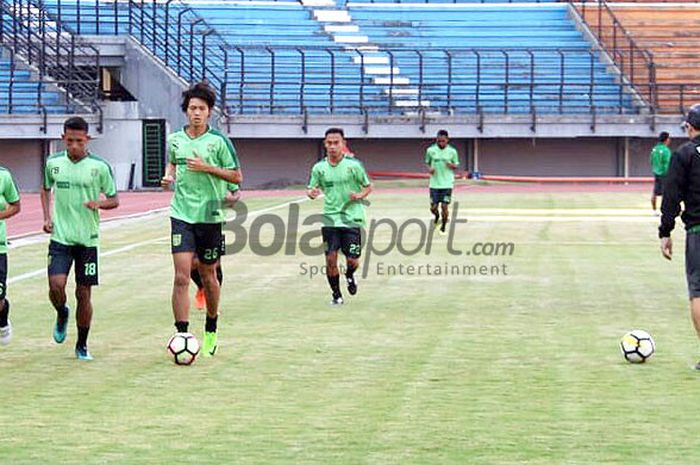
{"points": [[76, 123], [663, 136], [335, 131], [201, 90], [443, 132]]}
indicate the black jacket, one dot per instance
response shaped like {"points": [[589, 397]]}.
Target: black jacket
{"points": [[682, 183]]}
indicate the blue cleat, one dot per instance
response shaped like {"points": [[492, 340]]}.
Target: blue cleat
{"points": [[81, 353], [61, 327]]}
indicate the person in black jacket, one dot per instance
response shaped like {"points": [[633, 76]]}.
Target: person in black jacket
{"points": [[683, 185]]}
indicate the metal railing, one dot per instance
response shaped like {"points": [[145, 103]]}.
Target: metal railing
{"points": [[635, 63], [325, 80], [56, 56]]}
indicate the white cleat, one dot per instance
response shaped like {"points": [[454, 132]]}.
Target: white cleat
{"points": [[6, 334], [337, 301]]}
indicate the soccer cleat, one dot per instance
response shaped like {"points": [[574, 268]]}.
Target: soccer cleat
{"points": [[337, 300], [352, 285], [697, 366], [210, 345], [200, 300], [436, 221], [81, 353], [61, 328], [442, 231], [6, 334]]}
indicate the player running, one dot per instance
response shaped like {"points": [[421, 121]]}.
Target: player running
{"points": [[442, 160], [203, 161], [9, 207], [77, 178], [344, 183]]}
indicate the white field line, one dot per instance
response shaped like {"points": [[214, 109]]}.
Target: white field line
{"points": [[126, 248]]}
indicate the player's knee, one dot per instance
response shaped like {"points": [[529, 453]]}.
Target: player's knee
{"points": [[181, 279], [82, 293], [56, 286]]}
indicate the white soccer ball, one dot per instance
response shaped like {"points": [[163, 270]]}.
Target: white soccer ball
{"points": [[183, 348], [637, 346]]}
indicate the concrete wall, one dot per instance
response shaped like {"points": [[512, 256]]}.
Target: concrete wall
{"points": [[24, 159], [276, 162]]}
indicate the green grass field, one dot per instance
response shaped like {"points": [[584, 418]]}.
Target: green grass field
{"points": [[522, 368]]}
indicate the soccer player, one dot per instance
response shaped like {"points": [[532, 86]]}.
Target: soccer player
{"points": [[442, 160], [233, 193], [659, 158], [77, 178], [202, 161], [9, 206], [683, 185], [345, 183]]}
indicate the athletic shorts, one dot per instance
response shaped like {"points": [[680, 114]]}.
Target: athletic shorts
{"points": [[3, 275], [61, 258], [348, 240], [440, 196], [204, 239], [692, 264], [659, 184]]}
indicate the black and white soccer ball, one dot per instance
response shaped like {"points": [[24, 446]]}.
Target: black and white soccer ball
{"points": [[637, 346], [183, 348]]}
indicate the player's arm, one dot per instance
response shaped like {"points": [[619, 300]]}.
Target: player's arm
{"points": [[428, 162], [107, 203], [362, 194], [45, 196], [168, 176], [232, 176], [11, 209], [108, 187], [312, 188], [453, 164], [232, 196], [674, 189]]}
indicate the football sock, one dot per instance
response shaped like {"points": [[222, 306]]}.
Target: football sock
{"points": [[334, 281], [82, 336], [4, 313], [210, 325], [182, 326], [350, 271]]}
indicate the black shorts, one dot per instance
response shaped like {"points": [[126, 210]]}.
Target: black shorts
{"points": [[440, 196], [3, 275], [349, 240], [204, 239], [87, 268], [659, 184], [692, 264]]}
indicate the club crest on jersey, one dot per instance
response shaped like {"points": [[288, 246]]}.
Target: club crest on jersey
{"points": [[211, 148], [94, 172], [54, 170]]}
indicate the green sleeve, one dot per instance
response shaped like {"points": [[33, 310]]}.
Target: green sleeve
{"points": [[227, 155], [48, 179], [11, 192], [361, 176], [313, 180], [107, 185], [171, 151], [427, 157], [455, 157]]}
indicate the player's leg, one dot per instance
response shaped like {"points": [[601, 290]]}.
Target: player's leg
{"points": [[5, 324], [83, 320], [332, 242], [208, 238], [692, 270], [445, 199], [60, 263], [200, 301], [351, 245], [86, 276], [434, 207], [182, 247]]}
